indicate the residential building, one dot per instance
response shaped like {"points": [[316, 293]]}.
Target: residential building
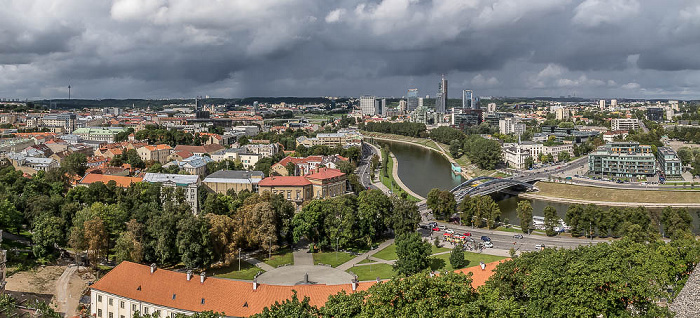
{"points": [[227, 154], [31, 165], [199, 150], [613, 104], [345, 139], [195, 165], [8, 118], [511, 125], [293, 188], [99, 134], [624, 124], [265, 150], [534, 150], [304, 166], [249, 160], [157, 153], [669, 163], [562, 113], [327, 183], [602, 104], [655, 113], [188, 183], [368, 105], [120, 181], [58, 123], [622, 159], [324, 183], [609, 136], [224, 180], [15, 144], [411, 100]]}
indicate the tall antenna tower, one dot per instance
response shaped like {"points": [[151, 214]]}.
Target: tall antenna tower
{"points": [[68, 91]]}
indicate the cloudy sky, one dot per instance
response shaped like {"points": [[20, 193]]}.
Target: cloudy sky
{"points": [[238, 48]]}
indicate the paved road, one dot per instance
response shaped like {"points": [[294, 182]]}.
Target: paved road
{"points": [[347, 265], [363, 168], [505, 240], [66, 302]]}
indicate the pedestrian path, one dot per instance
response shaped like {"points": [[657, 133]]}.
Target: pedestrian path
{"points": [[259, 264], [347, 265], [302, 255]]}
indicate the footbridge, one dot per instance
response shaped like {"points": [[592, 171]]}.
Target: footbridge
{"points": [[489, 185]]}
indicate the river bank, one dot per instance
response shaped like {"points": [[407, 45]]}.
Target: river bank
{"points": [[393, 182], [576, 194], [430, 145]]}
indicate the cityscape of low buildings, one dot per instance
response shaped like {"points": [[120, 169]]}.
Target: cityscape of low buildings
{"points": [[223, 181]]}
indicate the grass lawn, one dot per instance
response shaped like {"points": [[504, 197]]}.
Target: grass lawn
{"points": [[371, 272], [331, 258], [576, 192], [281, 257], [247, 271], [442, 261], [365, 261], [389, 253]]}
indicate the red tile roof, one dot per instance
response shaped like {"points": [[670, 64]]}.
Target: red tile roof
{"points": [[283, 181], [325, 173], [233, 298], [230, 297], [123, 182]]}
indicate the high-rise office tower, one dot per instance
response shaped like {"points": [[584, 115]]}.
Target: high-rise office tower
{"points": [[441, 101], [368, 106], [412, 98], [468, 99]]}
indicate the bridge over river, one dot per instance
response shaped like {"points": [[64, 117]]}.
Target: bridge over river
{"points": [[489, 185]]}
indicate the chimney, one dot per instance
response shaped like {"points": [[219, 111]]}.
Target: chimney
{"points": [[201, 277], [189, 275], [153, 268], [255, 284]]}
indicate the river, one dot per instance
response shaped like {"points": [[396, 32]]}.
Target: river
{"points": [[422, 170]]}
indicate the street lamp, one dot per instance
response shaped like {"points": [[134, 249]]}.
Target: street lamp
{"points": [[336, 248], [239, 259]]}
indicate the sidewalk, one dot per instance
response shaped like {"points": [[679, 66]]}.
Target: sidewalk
{"points": [[347, 265], [258, 264], [302, 255]]}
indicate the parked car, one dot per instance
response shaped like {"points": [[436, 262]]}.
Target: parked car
{"points": [[433, 224], [442, 227], [486, 238], [539, 246], [467, 234], [488, 244], [435, 229], [518, 236], [451, 231]]}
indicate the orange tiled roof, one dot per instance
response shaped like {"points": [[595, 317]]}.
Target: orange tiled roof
{"points": [[234, 298], [325, 173], [231, 297], [123, 182], [283, 181]]}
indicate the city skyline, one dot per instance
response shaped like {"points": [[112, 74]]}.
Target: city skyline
{"points": [[164, 48]]}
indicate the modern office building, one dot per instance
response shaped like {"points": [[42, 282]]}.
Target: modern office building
{"points": [[441, 100], [368, 105], [467, 117], [622, 159], [468, 100], [669, 162], [412, 100], [624, 124], [655, 113]]}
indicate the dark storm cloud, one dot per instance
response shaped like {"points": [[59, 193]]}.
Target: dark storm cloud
{"points": [[160, 48]]}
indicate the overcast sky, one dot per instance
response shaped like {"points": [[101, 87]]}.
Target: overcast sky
{"points": [[239, 48]]}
